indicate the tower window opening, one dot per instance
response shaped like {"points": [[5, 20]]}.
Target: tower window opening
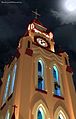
{"points": [[39, 68], [57, 90], [41, 75], [40, 83]]}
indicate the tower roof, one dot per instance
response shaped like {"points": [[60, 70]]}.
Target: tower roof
{"points": [[37, 21], [38, 25]]}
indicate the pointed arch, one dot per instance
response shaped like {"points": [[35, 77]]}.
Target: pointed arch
{"points": [[60, 113], [40, 67], [40, 73], [41, 110]]}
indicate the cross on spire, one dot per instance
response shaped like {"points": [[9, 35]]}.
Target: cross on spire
{"points": [[36, 13], [14, 106], [13, 115]]}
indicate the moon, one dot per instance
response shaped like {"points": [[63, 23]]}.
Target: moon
{"points": [[70, 5], [66, 12]]}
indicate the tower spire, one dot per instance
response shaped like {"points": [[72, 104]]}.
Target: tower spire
{"points": [[36, 13]]}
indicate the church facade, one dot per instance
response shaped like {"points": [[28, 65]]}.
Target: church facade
{"points": [[38, 82]]}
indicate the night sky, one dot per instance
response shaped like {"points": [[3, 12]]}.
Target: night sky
{"points": [[15, 16]]}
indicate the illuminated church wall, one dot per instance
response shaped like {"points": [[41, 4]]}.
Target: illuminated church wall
{"points": [[38, 81]]}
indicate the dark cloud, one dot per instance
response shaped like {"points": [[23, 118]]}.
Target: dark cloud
{"points": [[3, 10], [66, 35], [5, 29]]}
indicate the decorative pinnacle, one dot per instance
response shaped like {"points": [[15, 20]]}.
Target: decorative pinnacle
{"points": [[36, 13]]}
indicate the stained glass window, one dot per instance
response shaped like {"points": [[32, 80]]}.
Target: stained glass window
{"points": [[41, 84], [57, 89], [55, 73]]}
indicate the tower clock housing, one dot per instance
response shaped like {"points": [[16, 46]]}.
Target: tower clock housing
{"points": [[39, 35]]}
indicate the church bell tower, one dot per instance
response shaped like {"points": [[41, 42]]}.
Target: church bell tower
{"points": [[38, 81]]}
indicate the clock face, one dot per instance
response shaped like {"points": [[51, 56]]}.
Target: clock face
{"points": [[42, 42]]}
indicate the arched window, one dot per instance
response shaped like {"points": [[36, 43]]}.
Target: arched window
{"points": [[57, 90], [41, 83], [40, 113], [13, 79], [40, 67], [6, 89], [55, 73]]}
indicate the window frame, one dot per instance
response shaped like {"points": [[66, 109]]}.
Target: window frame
{"points": [[41, 79], [36, 73], [57, 83]]}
